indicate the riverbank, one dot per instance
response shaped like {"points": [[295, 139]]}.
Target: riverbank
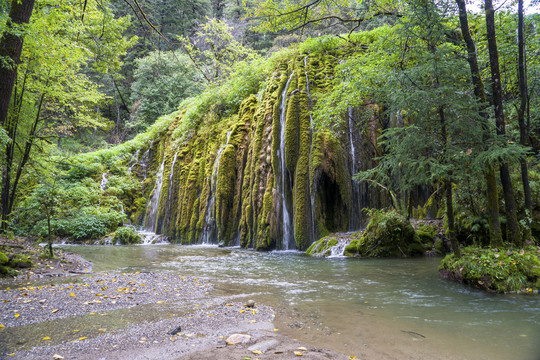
{"points": [[138, 316]]}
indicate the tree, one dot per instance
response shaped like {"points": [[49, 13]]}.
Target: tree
{"points": [[161, 83], [492, 198], [11, 44], [497, 99], [52, 94]]}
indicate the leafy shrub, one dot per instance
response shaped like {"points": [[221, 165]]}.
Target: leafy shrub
{"points": [[495, 270], [126, 235]]}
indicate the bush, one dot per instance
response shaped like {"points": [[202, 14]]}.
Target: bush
{"points": [[495, 270], [126, 236]]}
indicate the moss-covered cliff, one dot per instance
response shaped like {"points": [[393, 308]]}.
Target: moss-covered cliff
{"points": [[242, 165]]}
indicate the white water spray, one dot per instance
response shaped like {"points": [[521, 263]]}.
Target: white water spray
{"points": [[288, 238], [151, 217]]}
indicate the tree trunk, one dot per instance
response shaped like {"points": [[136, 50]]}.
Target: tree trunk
{"points": [[10, 48], [509, 198], [448, 192], [523, 131], [492, 195]]}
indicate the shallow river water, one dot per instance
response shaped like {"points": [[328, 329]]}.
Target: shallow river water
{"points": [[383, 308]]}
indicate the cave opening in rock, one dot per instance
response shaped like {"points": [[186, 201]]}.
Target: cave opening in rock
{"points": [[333, 211]]}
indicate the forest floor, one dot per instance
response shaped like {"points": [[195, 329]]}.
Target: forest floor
{"points": [[46, 315]]}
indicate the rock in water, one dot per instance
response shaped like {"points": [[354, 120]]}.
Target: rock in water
{"points": [[250, 303], [175, 331], [235, 339]]}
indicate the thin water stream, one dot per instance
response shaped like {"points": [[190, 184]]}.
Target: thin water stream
{"points": [[391, 308]]}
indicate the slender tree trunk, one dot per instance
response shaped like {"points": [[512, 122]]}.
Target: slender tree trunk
{"points": [[10, 48], [25, 157], [523, 131], [509, 198], [492, 196], [448, 192]]}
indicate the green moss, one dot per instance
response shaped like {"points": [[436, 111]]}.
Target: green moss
{"points": [[389, 234], [3, 258], [500, 271], [20, 261], [322, 247], [353, 249]]}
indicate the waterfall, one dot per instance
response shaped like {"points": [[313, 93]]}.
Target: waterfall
{"points": [[152, 209], [312, 193], [104, 181], [171, 177], [288, 238], [355, 210], [210, 227], [133, 161]]}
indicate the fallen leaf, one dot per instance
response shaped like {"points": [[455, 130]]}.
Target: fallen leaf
{"points": [[76, 330], [46, 338], [352, 357], [12, 354], [83, 338], [302, 348], [160, 302], [242, 311], [54, 310], [102, 330], [17, 315], [57, 357], [298, 353], [258, 352], [275, 329], [2, 326]]}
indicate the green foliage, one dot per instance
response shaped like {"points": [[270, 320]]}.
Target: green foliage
{"points": [[161, 81], [3, 259], [126, 236], [499, 270]]}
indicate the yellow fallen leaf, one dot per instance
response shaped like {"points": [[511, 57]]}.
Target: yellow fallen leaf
{"points": [[275, 329], [302, 348], [12, 354], [258, 352], [46, 338], [352, 357], [82, 338], [101, 330], [76, 330], [2, 326], [298, 353], [54, 310], [160, 302], [17, 315], [242, 311], [72, 294]]}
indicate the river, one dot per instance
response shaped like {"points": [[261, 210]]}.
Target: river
{"points": [[389, 308]]}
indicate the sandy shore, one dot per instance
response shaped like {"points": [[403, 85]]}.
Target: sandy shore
{"points": [[131, 316]]}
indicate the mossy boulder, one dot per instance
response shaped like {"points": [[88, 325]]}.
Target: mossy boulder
{"points": [[353, 249], [322, 247], [3, 259], [19, 261], [126, 235], [388, 234], [495, 270]]}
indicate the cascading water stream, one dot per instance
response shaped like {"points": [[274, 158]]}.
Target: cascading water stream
{"points": [[151, 217], [288, 238], [210, 226], [355, 210], [104, 181], [312, 193]]}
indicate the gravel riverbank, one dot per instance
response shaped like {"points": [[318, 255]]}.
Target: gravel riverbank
{"points": [[135, 315]]}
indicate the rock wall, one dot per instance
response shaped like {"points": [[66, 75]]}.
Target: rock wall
{"points": [[261, 177]]}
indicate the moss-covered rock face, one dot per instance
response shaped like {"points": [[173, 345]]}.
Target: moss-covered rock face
{"points": [[322, 247], [388, 234], [229, 167], [498, 270]]}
